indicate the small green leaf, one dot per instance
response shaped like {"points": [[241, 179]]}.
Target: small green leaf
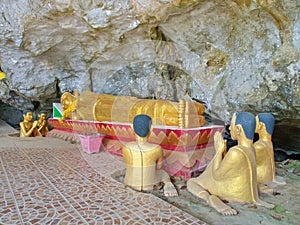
{"points": [[279, 209], [294, 165]]}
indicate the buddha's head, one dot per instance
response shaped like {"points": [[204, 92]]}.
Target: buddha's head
{"points": [[27, 115], [243, 122], [265, 121], [66, 100], [142, 125], [42, 115]]}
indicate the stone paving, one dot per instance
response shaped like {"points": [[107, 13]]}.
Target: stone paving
{"points": [[51, 181]]}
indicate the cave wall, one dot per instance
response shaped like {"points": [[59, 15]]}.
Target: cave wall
{"points": [[233, 55]]}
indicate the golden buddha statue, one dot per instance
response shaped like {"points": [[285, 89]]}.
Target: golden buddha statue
{"points": [[42, 124], [231, 176], [122, 109], [28, 128], [144, 160], [264, 150]]}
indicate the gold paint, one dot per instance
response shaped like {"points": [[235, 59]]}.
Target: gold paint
{"points": [[157, 138], [230, 176], [143, 166], [122, 109], [2, 75], [187, 159], [204, 138], [264, 154], [28, 128], [42, 124]]}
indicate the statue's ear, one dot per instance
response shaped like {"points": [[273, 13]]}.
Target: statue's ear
{"points": [[263, 127], [239, 129], [260, 125]]}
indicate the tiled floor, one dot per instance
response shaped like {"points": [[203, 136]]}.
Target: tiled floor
{"points": [[50, 181]]}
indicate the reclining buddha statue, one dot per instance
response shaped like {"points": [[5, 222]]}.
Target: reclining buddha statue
{"points": [[122, 109]]}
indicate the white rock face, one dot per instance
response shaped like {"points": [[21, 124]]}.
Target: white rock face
{"points": [[234, 55]]}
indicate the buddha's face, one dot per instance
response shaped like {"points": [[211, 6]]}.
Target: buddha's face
{"points": [[28, 116], [43, 116], [66, 100], [65, 103], [233, 128]]}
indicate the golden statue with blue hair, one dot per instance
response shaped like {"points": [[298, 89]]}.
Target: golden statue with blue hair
{"points": [[144, 160], [232, 175], [264, 150]]}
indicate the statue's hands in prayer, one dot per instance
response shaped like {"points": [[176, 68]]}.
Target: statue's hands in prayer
{"points": [[44, 123], [35, 123], [219, 143]]}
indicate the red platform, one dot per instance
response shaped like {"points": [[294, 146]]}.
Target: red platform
{"points": [[186, 151]]}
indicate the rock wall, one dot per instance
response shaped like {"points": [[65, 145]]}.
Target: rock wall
{"points": [[234, 55]]}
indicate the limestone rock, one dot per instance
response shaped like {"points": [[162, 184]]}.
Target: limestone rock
{"points": [[234, 55]]}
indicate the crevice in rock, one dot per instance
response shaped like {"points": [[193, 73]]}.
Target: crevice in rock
{"points": [[156, 33], [36, 105], [57, 88]]}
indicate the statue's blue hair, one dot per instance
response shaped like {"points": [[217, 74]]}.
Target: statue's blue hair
{"points": [[248, 123], [142, 125], [43, 112], [26, 111], [269, 121]]}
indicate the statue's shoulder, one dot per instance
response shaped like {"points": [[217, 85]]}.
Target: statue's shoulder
{"points": [[130, 146], [237, 152], [261, 144], [133, 146]]}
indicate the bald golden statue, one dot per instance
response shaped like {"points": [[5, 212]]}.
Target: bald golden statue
{"points": [[231, 176], [122, 109]]}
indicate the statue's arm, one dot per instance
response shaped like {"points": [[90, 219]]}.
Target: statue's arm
{"points": [[220, 147], [40, 127], [44, 126], [127, 155], [230, 165], [159, 161], [23, 130]]}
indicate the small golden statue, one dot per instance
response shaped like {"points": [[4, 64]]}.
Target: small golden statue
{"points": [[42, 124], [28, 128], [122, 109], [264, 150], [231, 176], [144, 160], [2, 75]]}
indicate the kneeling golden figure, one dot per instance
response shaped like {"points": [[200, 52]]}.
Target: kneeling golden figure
{"points": [[28, 128], [231, 176], [42, 123], [264, 151], [144, 160]]}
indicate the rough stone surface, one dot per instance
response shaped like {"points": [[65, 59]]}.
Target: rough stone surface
{"points": [[235, 55]]}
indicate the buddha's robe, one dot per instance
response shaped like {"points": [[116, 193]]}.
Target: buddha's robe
{"points": [[122, 109], [142, 165], [234, 179], [265, 163]]}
